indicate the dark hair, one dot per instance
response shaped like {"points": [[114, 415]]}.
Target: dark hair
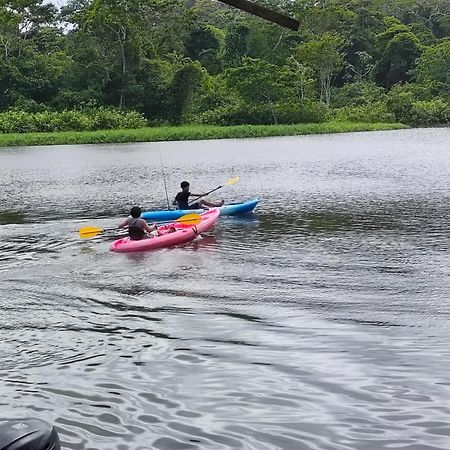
{"points": [[184, 184], [135, 212]]}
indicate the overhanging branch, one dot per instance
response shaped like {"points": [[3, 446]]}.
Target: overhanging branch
{"points": [[265, 13]]}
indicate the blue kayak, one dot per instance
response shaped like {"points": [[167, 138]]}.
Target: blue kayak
{"points": [[225, 210]]}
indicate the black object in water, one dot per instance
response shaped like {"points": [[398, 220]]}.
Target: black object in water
{"points": [[28, 434]]}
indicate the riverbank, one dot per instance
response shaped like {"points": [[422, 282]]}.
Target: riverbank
{"points": [[188, 132]]}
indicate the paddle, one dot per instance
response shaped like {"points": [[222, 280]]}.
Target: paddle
{"points": [[229, 182], [91, 231]]}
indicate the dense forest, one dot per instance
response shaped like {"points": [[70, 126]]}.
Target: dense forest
{"points": [[125, 63]]}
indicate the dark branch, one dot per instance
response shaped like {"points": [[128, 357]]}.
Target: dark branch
{"points": [[264, 12]]}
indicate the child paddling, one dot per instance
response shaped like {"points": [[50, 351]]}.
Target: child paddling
{"points": [[182, 199]]}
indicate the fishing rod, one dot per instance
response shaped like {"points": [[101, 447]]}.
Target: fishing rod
{"points": [[164, 179]]}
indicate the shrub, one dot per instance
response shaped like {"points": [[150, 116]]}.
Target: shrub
{"points": [[430, 112], [282, 113], [83, 120], [411, 104], [373, 113], [355, 94]]}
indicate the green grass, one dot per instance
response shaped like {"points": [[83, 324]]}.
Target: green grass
{"points": [[187, 132]]}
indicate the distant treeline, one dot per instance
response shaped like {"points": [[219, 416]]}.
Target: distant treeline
{"points": [[128, 63]]}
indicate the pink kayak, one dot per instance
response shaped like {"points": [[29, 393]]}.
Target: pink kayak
{"points": [[175, 233]]}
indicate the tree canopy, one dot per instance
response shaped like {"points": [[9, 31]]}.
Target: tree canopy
{"points": [[203, 61]]}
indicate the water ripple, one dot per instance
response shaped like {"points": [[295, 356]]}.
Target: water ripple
{"points": [[319, 323]]}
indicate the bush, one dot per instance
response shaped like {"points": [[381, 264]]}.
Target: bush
{"points": [[356, 94], [399, 102], [303, 112], [373, 113], [431, 112], [411, 104], [283, 113], [87, 120]]}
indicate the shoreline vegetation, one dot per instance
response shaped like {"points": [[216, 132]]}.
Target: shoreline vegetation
{"points": [[207, 70], [188, 132]]}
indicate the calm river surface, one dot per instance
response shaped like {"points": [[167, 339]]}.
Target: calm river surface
{"points": [[321, 322]]}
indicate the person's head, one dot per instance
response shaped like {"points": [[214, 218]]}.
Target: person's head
{"points": [[184, 185], [136, 212]]}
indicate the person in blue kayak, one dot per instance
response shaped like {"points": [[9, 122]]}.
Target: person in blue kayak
{"points": [[137, 228], [182, 199]]}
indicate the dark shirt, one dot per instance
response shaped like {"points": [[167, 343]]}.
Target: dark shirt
{"points": [[182, 200], [135, 230]]}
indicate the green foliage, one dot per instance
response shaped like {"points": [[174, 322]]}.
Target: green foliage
{"points": [[324, 56], [204, 44], [434, 66], [333, 16], [256, 81], [95, 119], [152, 96], [430, 112], [185, 85], [214, 95], [235, 45], [397, 59], [281, 113], [181, 61], [269, 42], [358, 94], [399, 102], [190, 132], [298, 79], [373, 113], [106, 119], [411, 104]]}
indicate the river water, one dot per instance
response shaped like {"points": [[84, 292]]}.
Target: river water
{"points": [[321, 322]]}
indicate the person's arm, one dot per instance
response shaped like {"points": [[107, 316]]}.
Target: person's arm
{"points": [[149, 228], [197, 195], [123, 224]]}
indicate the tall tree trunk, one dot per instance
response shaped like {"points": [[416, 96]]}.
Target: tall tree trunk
{"points": [[274, 116], [325, 87]]}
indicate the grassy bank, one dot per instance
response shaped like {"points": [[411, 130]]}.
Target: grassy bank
{"points": [[187, 132]]}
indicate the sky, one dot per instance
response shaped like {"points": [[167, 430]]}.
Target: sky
{"points": [[57, 3]]}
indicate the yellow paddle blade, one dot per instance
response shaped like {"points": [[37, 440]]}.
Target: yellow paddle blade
{"points": [[231, 181], [87, 232], [190, 219]]}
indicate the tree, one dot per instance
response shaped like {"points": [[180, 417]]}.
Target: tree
{"points": [[434, 65], [324, 56], [9, 31], [256, 81], [186, 83], [203, 44], [433, 14], [299, 79], [235, 45], [321, 18], [152, 96], [397, 59], [111, 22]]}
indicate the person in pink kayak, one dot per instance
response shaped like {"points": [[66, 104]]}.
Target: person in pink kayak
{"points": [[182, 199], [137, 228]]}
